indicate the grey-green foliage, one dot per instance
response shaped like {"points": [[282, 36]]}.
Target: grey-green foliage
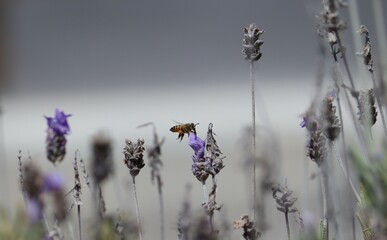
{"points": [[373, 179]]}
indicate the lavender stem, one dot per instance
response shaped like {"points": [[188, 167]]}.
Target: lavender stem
{"points": [[254, 143], [137, 208], [79, 222]]}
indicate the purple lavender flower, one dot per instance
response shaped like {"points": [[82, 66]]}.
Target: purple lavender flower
{"points": [[56, 141], [53, 182], [34, 210], [199, 165], [198, 145], [59, 123]]}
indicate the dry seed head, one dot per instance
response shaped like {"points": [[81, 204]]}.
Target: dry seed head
{"points": [[367, 109], [330, 16], [134, 156], [251, 43], [33, 180], [77, 191], [282, 196], [331, 122], [366, 51], [102, 163], [317, 147], [213, 152]]}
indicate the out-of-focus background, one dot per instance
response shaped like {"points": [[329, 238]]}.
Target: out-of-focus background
{"points": [[117, 65]]}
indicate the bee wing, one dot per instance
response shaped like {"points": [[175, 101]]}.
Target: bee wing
{"points": [[178, 122]]}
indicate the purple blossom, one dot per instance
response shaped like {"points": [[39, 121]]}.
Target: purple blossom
{"points": [[59, 124], [303, 123], [53, 182], [34, 210], [56, 141], [198, 145]]}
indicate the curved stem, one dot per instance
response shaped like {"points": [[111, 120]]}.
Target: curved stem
{"points": [[343, 169], [137, 208]]}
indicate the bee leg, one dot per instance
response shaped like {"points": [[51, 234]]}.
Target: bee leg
{"points": [[181, 135]]}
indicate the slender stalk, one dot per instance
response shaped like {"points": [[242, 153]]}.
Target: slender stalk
{"points": [[343, 169], [79, 222], [355, 24], [360, 133], [380, 34], [338, 99], [161, 202], [205, 192], [324, 197], [137, 208], [342, 50], [287, 224], [254, 190]]}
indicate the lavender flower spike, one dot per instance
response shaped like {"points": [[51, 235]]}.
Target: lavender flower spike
{"points": [[56, 141], [199, 165]]}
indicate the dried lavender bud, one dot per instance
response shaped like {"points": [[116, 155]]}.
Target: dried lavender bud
{"points": [[249, 232], [134, 153], [102, 163], [330, 16], [316, 147], [213, 152], [282, 196], [367, 109], [310, 121], [251, 43], [85, 175], [331, 123], [58, 128], [19, 157], [33, 183], [77, 191], [366, 51]]}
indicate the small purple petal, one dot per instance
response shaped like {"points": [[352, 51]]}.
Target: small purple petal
{"points": [[59, 123], [53, 181], [303, 123], [198, 145]]}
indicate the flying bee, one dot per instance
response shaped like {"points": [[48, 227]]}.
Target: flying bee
{"points": [[183, 129]]}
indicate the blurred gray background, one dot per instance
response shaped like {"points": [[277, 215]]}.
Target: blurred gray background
{"points": [[116, 65]]}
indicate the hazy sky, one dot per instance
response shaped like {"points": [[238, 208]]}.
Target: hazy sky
{"points": [[117, 64]]}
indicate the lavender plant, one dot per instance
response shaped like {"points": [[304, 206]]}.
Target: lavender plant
{"points": [[252, 52], [285, 202], [57, 130], [134, 154], [155, 163]]}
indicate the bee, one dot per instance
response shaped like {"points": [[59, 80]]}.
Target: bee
{"points": [[183, 129]]}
